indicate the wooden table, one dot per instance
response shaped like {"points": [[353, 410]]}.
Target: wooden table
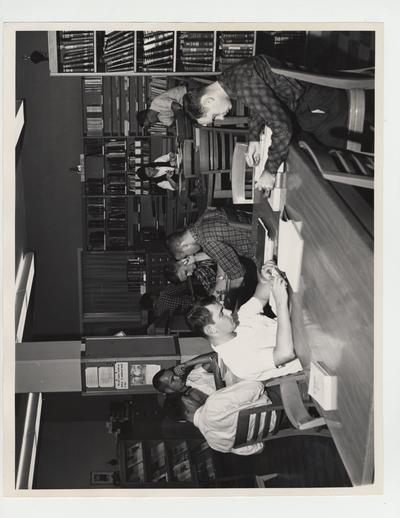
{"points": [[332, 313]]}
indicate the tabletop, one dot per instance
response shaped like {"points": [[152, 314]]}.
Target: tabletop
{"points": [[333, 311]]}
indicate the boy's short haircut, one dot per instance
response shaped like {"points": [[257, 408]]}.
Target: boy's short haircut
{"points": [[199, 316], [146, 301], [174, 241], [158, 383], [141, 172], [141, 116], [192, 105], [171, 273]]}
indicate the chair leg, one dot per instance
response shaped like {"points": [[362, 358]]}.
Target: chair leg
{"points": [[261, 479]]}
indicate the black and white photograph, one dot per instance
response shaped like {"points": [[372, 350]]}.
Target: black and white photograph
{"points": [[195, 247]]}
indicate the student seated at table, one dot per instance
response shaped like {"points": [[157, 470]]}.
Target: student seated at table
{"points": [[174, 298], [272, 100], [252, 346], [216, 415], [195, 374], [162, 172], [217, 237], [163, 108], [203, 274]]}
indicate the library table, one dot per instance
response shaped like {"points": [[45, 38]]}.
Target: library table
{"points": [[332, 312]]}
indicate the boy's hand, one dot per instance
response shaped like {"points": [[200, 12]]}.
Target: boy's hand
{"points": [[266, 182], [180, 369], [268, 271], [253, 153], [190, 259]]}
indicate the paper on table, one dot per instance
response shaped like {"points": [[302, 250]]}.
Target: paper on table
{"points": [[265, 245], [290, 250]]}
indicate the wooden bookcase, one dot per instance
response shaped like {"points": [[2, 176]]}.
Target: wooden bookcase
{"points": [[147, 52], [120, 211], [166, 463]]}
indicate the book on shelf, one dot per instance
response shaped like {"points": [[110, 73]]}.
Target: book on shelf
{"points": [[150, 37], [115, 104], [115, 41], [182, 471], [197, 35], [178, 448], [75, 51], [134, 453]]}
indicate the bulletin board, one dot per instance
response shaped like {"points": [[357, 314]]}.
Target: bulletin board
{"points": [[126, 365]]}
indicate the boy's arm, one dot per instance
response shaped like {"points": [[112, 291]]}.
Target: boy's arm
{"points": [[176, 107], [197, 360], [284, 348]]}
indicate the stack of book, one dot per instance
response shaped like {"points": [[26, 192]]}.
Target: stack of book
{"points": [[75, 51], [196, 51], [116, 223], [158, 51], [234, 47], [95, 213], [135, 272], [93, 106], [118, 51], [181, 471], [139, 152]]}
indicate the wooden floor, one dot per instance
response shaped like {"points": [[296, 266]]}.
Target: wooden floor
{"points": [[299, 462]]}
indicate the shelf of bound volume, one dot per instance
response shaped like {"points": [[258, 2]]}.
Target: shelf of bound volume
{"points": [[110, 104], [166, 463], [147, 52], [120, 214]]}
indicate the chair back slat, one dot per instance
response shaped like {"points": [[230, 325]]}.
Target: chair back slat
{"points": [[260, 418], [242, 429]]}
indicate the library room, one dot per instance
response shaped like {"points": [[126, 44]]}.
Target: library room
{"points": [[194, 237]]}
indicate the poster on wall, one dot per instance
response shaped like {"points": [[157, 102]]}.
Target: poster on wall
{"points": [[119, 376]]}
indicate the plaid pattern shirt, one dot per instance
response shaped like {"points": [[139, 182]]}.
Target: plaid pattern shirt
{"points": [[270, 98], [205, 275], [223, 242], [173, 298]]}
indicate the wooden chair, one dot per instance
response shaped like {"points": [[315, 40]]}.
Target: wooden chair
{"points": [[354, 82], [244, 177], [253, 426], [215, 147], [342, 166], [262, 479], [294, 401]]}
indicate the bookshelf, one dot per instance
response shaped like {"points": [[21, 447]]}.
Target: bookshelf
{"points": [[166, 463], [121, 212], [153, 53]]}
